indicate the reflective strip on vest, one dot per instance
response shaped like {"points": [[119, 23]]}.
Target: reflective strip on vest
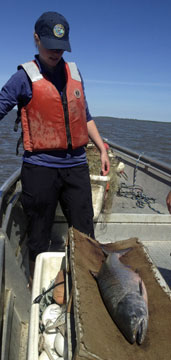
{"points": [[34, 74], [74, 71], [32, 71]]}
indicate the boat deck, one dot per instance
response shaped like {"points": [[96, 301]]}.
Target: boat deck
{"points": [[127, 205], [160, 252]]}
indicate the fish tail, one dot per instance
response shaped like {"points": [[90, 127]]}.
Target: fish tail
{"points": [[119, 253], [123, 252]]}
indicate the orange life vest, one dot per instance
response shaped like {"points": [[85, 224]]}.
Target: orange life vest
{"points": [[44, 120]]}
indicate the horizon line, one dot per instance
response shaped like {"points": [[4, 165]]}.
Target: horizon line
{"points": [[113, 82]]}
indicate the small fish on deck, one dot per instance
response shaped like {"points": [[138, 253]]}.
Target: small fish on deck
{"points": [[124, 295]]}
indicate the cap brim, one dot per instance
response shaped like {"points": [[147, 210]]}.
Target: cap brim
{"points": [[55, 44]]}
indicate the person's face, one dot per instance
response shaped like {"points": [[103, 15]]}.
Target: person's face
{"points": [[48, 57]]}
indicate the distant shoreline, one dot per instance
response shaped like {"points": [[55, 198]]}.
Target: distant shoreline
{"points": [[13, 112], [118, 118]]}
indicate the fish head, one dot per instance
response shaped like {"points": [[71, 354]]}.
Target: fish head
{"points": [[132, 317]]}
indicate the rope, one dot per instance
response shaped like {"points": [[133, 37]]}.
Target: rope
{"points": [[136, 168], [39, 297], [135, 192]]}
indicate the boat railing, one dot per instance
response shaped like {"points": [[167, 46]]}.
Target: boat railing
{"points": [[8, 183], [9, 209], [14, 197], [2, 245], [146, 160]]}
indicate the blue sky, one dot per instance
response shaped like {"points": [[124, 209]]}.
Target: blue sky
{"points": [[122, 48]]}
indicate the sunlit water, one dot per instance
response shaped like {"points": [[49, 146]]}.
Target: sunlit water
{"points": [[151, 138]]}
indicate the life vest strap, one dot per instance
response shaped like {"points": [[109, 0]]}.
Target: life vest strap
{"points": [[74, 71], [32, 71]]}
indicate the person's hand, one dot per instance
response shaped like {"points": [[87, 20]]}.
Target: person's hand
{"points": [[105, 164], [101, 146], [168, 201]]}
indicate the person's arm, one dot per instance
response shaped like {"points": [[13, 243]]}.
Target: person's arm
{"points": [[18, 88], [96, 138], [168, 201]]}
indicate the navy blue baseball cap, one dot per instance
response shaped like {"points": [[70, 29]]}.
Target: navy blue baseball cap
{"points": [[53, 31]]}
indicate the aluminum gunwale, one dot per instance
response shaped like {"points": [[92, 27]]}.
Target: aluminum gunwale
{"points": [[145, 160]]}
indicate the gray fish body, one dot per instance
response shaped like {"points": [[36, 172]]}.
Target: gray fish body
{"points": [[125, 297]]}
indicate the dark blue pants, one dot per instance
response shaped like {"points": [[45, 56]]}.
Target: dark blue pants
{"points": [[42, 188]]}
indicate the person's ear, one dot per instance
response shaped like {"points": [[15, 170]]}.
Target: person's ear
{"points": [[36, 39]]}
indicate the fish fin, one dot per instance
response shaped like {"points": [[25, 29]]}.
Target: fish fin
{"points": [[141, 287], [94, 274]]}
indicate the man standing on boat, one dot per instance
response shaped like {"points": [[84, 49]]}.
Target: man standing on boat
{"points": [[56, 126]]}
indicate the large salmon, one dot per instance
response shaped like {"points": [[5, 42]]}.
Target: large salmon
{"points": [[125, 297]]}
